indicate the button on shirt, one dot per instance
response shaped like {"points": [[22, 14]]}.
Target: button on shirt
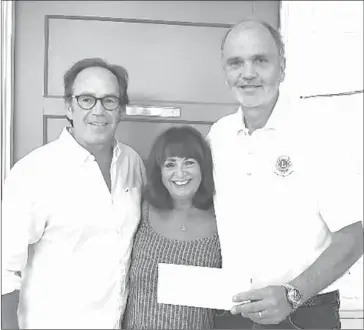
{"points": [[68, 236], [273, 203]]}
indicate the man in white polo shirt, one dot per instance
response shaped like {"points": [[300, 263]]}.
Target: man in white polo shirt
{"points": [[273, 203]]}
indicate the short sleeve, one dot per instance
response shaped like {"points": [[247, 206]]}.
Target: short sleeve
{"points": [[340, 184], [334, 132]]}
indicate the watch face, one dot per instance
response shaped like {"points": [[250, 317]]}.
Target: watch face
{"points": [[294, 295]]}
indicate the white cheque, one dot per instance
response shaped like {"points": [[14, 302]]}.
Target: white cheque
{"points": [[197, 286]]}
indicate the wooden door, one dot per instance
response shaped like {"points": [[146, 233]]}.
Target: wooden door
{"points": [[171, 50]]}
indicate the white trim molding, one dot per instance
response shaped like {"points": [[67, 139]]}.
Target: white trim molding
{"points": [[7, 87], [324, 46]]}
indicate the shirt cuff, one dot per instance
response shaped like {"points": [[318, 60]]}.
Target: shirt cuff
{"points": [[10, 282]]}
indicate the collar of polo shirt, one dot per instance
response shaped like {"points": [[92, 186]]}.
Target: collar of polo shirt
{"points": [[77, 152], [281, 113]]}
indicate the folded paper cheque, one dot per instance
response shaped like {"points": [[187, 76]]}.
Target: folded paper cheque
{"points": [[197, 286]]}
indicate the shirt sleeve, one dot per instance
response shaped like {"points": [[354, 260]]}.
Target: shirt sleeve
{"points": [[335, 157], [340, 185], [20, 227], [341, 196], [142, 170]]}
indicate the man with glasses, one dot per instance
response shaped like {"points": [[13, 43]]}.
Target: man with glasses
{"points": [[70, 211]]}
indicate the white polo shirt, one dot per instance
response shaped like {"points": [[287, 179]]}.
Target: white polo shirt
{"points": [[273, 202]]}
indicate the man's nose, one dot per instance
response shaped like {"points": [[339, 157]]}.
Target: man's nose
{"points": [[98, 109], [248, 71]]}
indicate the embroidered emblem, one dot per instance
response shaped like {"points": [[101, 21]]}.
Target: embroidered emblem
{"points": [[283, 166]]}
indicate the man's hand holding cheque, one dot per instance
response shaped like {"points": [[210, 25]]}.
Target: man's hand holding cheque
{"points": [[268, 305]]}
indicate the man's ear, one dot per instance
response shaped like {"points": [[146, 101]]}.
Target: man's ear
{"points": [[226, 82], [69, 111], [283, 69], [122, 112]]}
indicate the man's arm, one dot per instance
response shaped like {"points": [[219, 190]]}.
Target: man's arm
{"points": [[20, 227], [336, 206], [339, 189], [269, 305], [14, 248], [345, 249], [14, 231], [9, 308]]}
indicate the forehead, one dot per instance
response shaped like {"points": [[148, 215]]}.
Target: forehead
{"points": [[96, 80], [249, 40]]}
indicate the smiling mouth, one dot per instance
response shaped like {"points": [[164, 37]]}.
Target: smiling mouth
{"points": [[181, 182], [98, 124], [249, 87]]}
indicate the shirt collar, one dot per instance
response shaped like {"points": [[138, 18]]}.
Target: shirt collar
{"points": [[280, 115], [79, 153]]}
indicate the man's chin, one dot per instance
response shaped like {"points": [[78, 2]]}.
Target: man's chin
{"points": [[244, 101], [249, 103]]}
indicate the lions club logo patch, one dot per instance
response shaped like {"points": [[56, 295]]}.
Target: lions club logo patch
{"points": [[283, 166]]}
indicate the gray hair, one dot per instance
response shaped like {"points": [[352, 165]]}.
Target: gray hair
{"points": [[276, 35]]}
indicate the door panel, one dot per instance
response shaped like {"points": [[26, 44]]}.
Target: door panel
{"points": [[171, 50], [169, 61]]}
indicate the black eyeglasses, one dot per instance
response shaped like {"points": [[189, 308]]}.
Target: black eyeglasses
{"points": [[87, 102]]}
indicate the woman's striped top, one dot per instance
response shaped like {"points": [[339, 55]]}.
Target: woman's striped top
{"points": [[150, 248]]}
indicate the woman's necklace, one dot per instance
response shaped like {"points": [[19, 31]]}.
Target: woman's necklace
{"points": [[184, 218]]}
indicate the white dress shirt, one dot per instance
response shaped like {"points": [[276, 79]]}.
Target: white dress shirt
{"points": [[278, 194], [68, 236]]}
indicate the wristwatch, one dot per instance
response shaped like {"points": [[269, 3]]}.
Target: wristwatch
{"points": [[294, 296]]}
